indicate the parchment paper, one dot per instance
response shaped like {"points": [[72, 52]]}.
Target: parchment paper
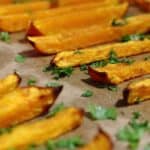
{"points": [[73, 88]]}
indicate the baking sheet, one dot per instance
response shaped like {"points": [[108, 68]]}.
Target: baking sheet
{"points": [[73, 88]]}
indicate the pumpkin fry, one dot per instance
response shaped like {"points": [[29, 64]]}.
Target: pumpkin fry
{"points": [[25, 7], [101, 142], [73, 20], [97, 53], [138, 91], [23, 104], [9, 83], [38, 132], [110, 74], [75, 39], [20, 22]]}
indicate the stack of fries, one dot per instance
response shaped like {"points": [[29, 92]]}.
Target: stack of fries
{"points": [[62, 27], [20, 104]]}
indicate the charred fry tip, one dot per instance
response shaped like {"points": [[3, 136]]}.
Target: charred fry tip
{"points": [[18, 77], [32, 31], [101, 131], [98, 76], [57, 91]]}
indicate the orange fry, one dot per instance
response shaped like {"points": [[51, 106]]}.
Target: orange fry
{"points": [[38, 132]]}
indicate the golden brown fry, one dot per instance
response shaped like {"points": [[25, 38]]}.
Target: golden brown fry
{"points": [[82, 38], [138, 91], [86, 56], [144, 4], [25, 7], [9, 83], [101, 142], [25, 103], [75, 2], [72, 20], [40, 131], [19, 22], [117, 73]]}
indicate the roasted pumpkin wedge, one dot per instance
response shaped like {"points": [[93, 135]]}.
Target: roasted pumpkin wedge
{"points": [[23, 104], [97, 53], [118, 73], [38, 132], [20, 22], [96, 34], [101, 142], [25, 7], [138, 91], [9, 83], [74, 2], [96, 15]]}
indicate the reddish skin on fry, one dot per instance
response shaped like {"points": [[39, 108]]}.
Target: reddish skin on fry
{"points": [[120, 72], [144, 4]]}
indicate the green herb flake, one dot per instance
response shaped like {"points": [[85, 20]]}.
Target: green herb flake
{"points": [[61, 72], [69, 143], [20, 58], [99, 113], [109, 87], [31, 147], [83, 67], [46, 69], [5, 130], [56, 109], [32, 81], [4, 36], [53, 84], [119, 22], [133, 132], [101, 63], [77, 52], [147, 58], [133, 37], [147, 147], [87, 93]]}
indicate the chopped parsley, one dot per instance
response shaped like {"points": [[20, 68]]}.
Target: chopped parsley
{"points": [[147, 58], [5, 130], [47, 69], [83, 67], [4, 36], [56, 109], [96, 112], [20, 58], [112, 59], [32, 81], [133, 131], [147, 147], [87, 93], [61, 72], [101, 63], [133, 37], [119, 22], [69, 143], [53, 84], [32, 147], [77, 52]]}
